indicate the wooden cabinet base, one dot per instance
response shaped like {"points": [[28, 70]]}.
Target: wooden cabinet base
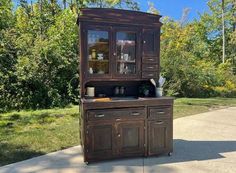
{"points": [[122, 132]]}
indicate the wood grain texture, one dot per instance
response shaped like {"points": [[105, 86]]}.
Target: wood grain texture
{"points": [[122, 128], [119, 16]]}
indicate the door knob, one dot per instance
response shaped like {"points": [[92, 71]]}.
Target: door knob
{"points": [[118, 135], [114, 54]]}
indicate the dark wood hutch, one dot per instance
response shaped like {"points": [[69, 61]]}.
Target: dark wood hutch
{"points": [[119, 54]]}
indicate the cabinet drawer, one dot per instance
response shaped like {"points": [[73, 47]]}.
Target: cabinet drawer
{"points": [[149, 67], [149, 75], [159, 112], [116, 114], [149, 59]]}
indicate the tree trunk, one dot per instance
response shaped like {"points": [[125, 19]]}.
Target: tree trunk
{"points": [[64, 4], [234, 15], [53, 7], [223, 32]]}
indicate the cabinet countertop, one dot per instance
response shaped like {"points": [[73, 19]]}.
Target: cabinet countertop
{"points": [[140, 101], [123, 99]]}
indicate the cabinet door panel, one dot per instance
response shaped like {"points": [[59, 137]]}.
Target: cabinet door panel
{"points": [[97, 48], [159, 138], [131, 137], [151, 38], [126, 55], [100, 141]]}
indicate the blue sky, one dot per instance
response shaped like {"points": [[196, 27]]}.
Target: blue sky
{"points": [[174, 8]]}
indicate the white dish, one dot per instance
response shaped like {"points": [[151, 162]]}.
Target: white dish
{"points": [[101, 72], [100, 54], [100, 57]]}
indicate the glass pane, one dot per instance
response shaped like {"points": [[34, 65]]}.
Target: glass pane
{"points": [[98, 52], [126, 53]]}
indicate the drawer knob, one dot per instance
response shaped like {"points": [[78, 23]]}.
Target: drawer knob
{"points": [[159, 122], [150, 67], [118, 119], [99, 115], [161, 112], [150, 74], [118, 135], [135, 113]]}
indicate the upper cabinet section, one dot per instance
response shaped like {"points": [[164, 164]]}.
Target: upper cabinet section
{"points": [[118, 44]]}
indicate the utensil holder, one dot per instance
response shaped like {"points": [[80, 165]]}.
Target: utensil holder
{"points": [[159, 92]]}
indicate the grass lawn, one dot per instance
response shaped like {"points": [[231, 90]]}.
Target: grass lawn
{"points": [[190, 106], [27, 134]]}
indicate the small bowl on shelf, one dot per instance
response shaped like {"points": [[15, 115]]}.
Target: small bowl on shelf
{"points": [[101, 72], [100, 56]]}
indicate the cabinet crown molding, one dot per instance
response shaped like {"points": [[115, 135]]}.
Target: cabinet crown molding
{"points": [[120, 16]]}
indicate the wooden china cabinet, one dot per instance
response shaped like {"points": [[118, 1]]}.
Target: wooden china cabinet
{"points": [[119, 54]]}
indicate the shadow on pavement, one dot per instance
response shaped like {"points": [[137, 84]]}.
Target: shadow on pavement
{"points": [[10, 153], [185, 151], [72, 160]]}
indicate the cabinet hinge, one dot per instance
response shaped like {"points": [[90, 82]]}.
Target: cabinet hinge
{"points": [[87, 131], [144, 145], [87, 151], [144, 127]]}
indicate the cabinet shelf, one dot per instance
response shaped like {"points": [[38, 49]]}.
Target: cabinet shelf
{"points": [[123, 61], [100, 42], [97, 60], [125, 42]]}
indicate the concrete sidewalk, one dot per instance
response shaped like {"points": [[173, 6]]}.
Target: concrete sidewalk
{"points": [[203, 143]]}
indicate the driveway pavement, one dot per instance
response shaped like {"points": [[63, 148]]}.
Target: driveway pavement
{"points": [[203, 143]]}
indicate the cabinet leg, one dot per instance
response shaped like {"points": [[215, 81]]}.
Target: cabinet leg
{"points": [[86, 163], [170, 154]]}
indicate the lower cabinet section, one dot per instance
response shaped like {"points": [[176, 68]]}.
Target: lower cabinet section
{"points": [[159, 137], [139, 131]]}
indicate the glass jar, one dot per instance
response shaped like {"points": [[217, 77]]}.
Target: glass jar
{"points": [[116, 91], [122, 90], [93, 54]]}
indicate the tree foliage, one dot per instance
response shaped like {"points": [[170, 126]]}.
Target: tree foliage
{"points": [[39, 52], [192, 54]]}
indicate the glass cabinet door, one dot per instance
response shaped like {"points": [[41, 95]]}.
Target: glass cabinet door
{"points": [[126, 45], [98, 52]]}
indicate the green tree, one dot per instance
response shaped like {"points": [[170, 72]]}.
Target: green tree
{"points": [[39, 52]]}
